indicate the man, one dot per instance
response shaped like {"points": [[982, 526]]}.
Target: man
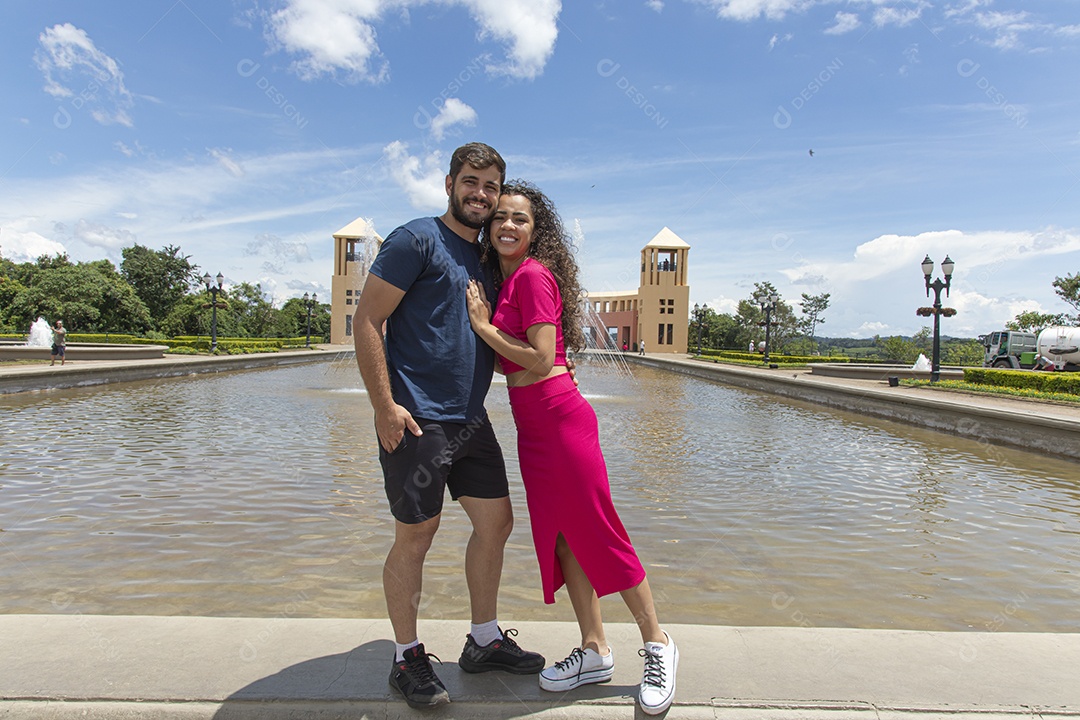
{"points": [[427, 386], [59, 344]]}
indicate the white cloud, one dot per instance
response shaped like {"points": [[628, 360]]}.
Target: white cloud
{"points": [[776, 39], [453, 112], [656, 5], [282, 253], [528, 27], [901, 17], [78, 72], [332, 37], [102, 236], [26, 246], [230, 165], [843, 23], [752, 9], [422, 179], [911, 58], [329, 37]]}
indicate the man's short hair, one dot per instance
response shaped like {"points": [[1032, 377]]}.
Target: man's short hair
{"points": [[480, 156]]}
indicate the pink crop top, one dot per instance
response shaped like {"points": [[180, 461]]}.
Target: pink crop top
{"points": [[529, 296]]}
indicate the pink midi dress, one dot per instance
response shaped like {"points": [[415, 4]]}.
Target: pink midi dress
{"points": [[562, 467]]}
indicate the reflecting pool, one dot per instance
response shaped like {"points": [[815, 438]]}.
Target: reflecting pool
{"points": [[259, 493]]}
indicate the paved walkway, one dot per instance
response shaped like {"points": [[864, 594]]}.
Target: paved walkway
{"points": [[68, 666]]}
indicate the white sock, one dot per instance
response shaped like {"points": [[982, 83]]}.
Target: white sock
{"points": [[486, 633], [402, 648]]}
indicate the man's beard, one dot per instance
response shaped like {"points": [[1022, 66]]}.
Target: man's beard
{"points": [[457, 209]]}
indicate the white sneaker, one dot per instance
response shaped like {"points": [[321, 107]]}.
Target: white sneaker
{"points": [[658, 683], [581, 667]]}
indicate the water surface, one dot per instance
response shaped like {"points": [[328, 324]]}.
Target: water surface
{"points": [[259, 493]]}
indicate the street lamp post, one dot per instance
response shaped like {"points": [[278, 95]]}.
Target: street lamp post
{"points": [[768, 304], [937, 286], [213, 290], [699, 317], [309, 303]]}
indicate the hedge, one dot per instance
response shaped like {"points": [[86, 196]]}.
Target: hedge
{"points": [[1057, 382], [188, 344]]}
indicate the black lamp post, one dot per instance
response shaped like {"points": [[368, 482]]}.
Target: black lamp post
{"points": [[699, 317], [309, 303], [937, 286], [214, 290], [768, 304]]}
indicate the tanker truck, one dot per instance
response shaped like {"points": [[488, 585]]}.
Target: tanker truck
{"points": [[1055, 348], [1061, 346]]}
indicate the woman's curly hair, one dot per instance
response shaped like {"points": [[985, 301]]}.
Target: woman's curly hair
{"points": [[552, 247]]}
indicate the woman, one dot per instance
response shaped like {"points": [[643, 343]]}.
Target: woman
{"points": [[579, 539]]}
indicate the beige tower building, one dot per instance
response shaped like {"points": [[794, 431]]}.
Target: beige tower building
{"points": [[355, 246], [658, 313]]}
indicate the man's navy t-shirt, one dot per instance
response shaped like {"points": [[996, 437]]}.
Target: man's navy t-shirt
{"points": [[439, 368]]}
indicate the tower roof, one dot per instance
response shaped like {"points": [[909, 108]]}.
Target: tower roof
{"points": [[667, 240], [358, 228]]}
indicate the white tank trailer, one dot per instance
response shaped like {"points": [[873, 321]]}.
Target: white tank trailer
{"points": [[1062, 346]]}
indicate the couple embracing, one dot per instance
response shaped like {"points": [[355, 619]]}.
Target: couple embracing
{"points": [[488, 280]]}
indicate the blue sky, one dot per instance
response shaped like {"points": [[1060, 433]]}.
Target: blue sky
{"points": [[247, 132]]}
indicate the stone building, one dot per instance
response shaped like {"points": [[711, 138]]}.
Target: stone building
{"points": [[355, 246], [658, 312]]}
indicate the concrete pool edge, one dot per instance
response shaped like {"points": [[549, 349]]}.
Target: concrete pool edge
{"points": [[1028, 425], [36, 378], [60, 666]]}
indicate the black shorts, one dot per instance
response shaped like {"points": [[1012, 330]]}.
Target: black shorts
{"points": [[463, 457]]}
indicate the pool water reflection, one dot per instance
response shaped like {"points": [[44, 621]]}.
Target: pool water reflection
{"points": [[259, 494]]}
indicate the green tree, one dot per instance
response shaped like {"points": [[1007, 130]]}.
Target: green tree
{"points": [[10, 288], [923, 342], [898, 349], [1035, 322], [186, 317], [813, 306], [250, 312], [1068, 289], [965, 353], [88, 297], [751, 320], [161, 278], [291, 320]]}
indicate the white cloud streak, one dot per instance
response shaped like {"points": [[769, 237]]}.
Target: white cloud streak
{"points": [[76, 70]]}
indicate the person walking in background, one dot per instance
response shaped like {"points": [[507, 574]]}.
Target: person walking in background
{"points": [[641, 348], [59, 343], [427, 385], [578, 536]]}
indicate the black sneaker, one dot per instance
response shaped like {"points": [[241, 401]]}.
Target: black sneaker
{"points": [[502, 654], [417, 682]]}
